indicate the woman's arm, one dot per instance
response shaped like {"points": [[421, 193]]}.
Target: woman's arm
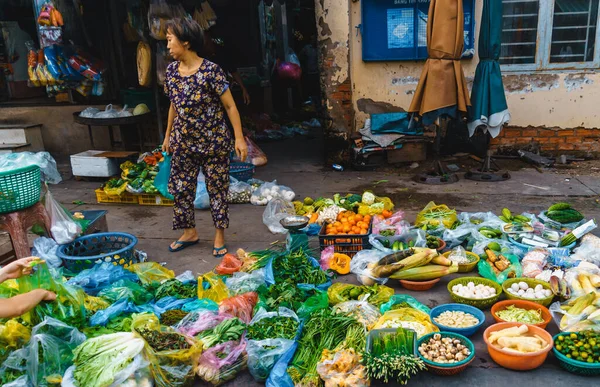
{"points": [[238, 79], [234, 116], [167, 142], [19, 305]]}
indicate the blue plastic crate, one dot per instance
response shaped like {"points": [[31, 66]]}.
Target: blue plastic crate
{"points": [[242, 171]]}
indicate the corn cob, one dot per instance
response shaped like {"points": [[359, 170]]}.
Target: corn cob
{"points": [[580, 304], [595, 280], [441, 260], [595, 316], [576, 287], [502, 264], [425, 273], [416, 260], [585, 283]]}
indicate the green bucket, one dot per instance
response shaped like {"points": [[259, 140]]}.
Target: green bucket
{"points": [[19, 188]]}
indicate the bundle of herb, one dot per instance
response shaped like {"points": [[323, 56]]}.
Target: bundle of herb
{"points": [[256, 260], [228, 330], [322, 330], [285, 294], [278, 327], [172, 317], [177, 289], [391, 357], [163, 341], [296, 266]]}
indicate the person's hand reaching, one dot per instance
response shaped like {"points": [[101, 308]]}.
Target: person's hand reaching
{"points": [[18, 268], [241, 148]]}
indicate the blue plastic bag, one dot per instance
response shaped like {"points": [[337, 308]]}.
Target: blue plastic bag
{"points": [[270, 276], [101, 276], [200, 304], [102, 317], [161, 181], [202, 201], [169, 303], [125, 289], [279, 376]]}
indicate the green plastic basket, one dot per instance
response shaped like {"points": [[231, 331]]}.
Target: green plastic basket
{"points": [[532, 283], [478, 303], [575, 366], [444, 369], [19, 188]]}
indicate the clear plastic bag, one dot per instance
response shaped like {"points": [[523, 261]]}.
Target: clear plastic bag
{"points": [[263, 354], [62, 227], [108, 112], [409, 318], [47, 355], [44, 160], [239, 306], [415, 236], [222, 362], [135, 374], [269, 191], [101, 276], [534, 261], [239, 192], [89, 112], [403, 301], [376, 294], [200, 321], [359, 266], [361, 310], [124, 112], [276, 210], [588, 250], [242, 282], [435, 216], [344, 366], [459, 256], [151, 272], [394, 224], [46, 248]]}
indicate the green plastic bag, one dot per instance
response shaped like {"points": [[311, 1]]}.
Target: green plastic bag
{"points": [[126, 289], [151, 272], [69, 306], [515, 269], [403, 301], [317, 302]]}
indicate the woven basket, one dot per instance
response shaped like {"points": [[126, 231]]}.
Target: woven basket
{"points": [[19, 188], [575, 366], [532, 284], [448, 369], [467, 267], [478, 303], [242, 171]]}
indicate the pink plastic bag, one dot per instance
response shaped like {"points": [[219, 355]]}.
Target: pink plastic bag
{"points": [[222, 362], [394, 223], [239, 306], [326, 256], [197, 322]]}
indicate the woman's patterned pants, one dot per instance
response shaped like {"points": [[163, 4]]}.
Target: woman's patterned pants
{"points": [[185, 167]]}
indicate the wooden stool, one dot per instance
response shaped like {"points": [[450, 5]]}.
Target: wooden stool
{"points": [[17, 223]]}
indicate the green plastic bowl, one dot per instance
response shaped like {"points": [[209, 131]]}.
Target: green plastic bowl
{"points": [[532, 284], [478, 303], [575, 366], [447, 369]]}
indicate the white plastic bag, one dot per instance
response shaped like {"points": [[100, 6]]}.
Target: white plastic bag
{"points": [[62, 227], [124, 112], [46, 249], [89, 112], [276, 210], [588, 250], [269, 191], [242, 282], [108, 112], [44, 160], [359, 263], [135, 374]]}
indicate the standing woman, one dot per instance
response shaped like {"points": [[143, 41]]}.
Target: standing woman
{"points": [[197, 133]]}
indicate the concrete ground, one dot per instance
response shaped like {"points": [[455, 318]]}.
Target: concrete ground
{"points": [[296, 163]]}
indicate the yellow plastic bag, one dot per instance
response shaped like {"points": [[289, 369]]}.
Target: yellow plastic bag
{"points": [[115, 191], [94, 304], [13, 335], [168, 368], [407, 318], [216, 291], [151, 272], [434, 215]]}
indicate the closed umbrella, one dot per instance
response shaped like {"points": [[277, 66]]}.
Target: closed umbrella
{"points": [[442, 88], [489, 110]]}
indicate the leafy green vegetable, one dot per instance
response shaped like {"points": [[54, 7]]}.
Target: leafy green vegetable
{"points": [[228, 330], [296, 266], [177, 289], [99, 359], [278, 327]]}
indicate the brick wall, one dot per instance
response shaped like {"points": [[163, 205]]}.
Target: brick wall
{"points": [[550, 139], [338, 97]]}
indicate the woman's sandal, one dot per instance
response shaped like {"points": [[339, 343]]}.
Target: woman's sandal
{"points": [[217, 251], [182, 245]]}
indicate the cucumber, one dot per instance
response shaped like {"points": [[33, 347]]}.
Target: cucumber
{"points": [[522, 219], [559, 206], [506, 213], [504, 219]]}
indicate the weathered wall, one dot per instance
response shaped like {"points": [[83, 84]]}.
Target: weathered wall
{"points": [[555, 100], [62, 136]]}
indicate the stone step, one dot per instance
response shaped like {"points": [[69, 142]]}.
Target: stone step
{"points": [[14, 135]]}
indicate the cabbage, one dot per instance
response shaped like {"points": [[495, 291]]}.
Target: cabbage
{"points": [[368, 198]]}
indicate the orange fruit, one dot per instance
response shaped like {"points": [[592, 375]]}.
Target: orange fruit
{"points": [[352, 222], [346, 228], [358, 217], [337, 224], [366, 218], [363, 231], [340, 229], [344, 220]]}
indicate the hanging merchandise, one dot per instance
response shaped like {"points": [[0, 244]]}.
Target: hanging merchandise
{"points": [[159, 13], [144, 64]]}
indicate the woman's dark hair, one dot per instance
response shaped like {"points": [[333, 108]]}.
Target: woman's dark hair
{"points": [[187, 30]]}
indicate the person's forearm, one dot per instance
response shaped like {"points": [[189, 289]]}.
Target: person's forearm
{"points": [[2, 276], [238, 80], [236, 122], [170, 120], [18, 305]]}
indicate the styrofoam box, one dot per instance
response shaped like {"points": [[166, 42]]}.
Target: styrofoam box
{"points": [[89, 165]]}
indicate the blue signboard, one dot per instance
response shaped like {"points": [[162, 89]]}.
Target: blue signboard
{"points": [[397, 29]]}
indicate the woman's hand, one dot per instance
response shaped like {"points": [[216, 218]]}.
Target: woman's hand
{"points": [[246, 96], [17, 268], [241, 148], [166, 146]]}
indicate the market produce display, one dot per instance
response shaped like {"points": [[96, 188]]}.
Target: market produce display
{"points": [[291, 319]]}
